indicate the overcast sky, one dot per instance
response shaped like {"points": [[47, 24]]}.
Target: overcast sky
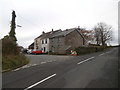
{"points": [[36, 16]]}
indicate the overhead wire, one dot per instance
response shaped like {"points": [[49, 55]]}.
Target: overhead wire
{"points": [[24, 19]]}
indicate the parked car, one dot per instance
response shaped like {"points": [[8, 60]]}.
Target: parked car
{"points": [[29, 51], [36, 52], [24, 51]]}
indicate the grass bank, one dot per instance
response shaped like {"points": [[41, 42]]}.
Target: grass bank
{"points": [[11, 62]]}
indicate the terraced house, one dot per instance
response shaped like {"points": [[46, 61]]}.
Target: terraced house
{"points": [[60, 42]]}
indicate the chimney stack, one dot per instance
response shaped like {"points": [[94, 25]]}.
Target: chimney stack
{"points": [[52, 29], [43, 32]]}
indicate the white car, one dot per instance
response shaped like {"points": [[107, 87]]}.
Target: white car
{"points": [[29, 51]]}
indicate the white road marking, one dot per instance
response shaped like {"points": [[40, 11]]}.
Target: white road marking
{"points": [[101, 54], [49, 61], [24, 66], [40, 82], [104, 53], [17, 69], [85, 60], [108, 52], [33, 64], [43, 62], [27, 66]]}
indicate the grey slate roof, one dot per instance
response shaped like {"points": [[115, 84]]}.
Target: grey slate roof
{"points": [[56, 33], [62, 33], [50, 34]]}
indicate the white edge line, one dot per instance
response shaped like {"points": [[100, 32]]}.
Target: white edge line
{"points": [[34, 64], [85, 60], [43, 62], [17, 69], [24, 66], [40, 82]]}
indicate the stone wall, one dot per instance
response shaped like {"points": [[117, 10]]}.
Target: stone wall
{"points": [[57, 45], [64, 44], [74, 40]]}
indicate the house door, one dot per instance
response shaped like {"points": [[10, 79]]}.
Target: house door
{"points": [[44, 49], [53, 49]]}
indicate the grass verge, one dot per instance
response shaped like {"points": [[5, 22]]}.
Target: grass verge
{"points": [[11, 62]]}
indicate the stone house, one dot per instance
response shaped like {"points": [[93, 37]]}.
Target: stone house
{"points": [[59, 42]]}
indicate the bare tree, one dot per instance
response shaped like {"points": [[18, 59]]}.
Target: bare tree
{"points": [[96, 35], [102, 33], [87, 34]]}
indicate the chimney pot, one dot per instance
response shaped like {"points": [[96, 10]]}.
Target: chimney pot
{"points": [[43, 32], [52, 29]]}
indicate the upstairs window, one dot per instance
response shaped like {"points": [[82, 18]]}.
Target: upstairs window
{"points": [[36, 44], [42, 41], [46, 41]]}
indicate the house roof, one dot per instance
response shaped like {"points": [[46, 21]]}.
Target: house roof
{"points": [[62, 33], [58, 33], [31, 44], [49, 34]]}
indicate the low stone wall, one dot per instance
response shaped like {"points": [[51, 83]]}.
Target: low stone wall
{"points": [[85, 50]]}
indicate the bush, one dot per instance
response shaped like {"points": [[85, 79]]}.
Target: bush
{"points": [[11, 57]]}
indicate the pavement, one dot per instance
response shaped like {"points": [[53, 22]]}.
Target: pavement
{"points": [[95, 70]]}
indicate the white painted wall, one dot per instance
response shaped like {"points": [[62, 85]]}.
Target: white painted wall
{"points": [[45, 45]]}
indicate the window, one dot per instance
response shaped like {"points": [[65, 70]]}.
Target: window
{"points": [[46, 41], [36, 44], [42, 41]]}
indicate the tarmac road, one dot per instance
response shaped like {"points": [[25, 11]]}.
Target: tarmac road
{"points": [[95, 70]]}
